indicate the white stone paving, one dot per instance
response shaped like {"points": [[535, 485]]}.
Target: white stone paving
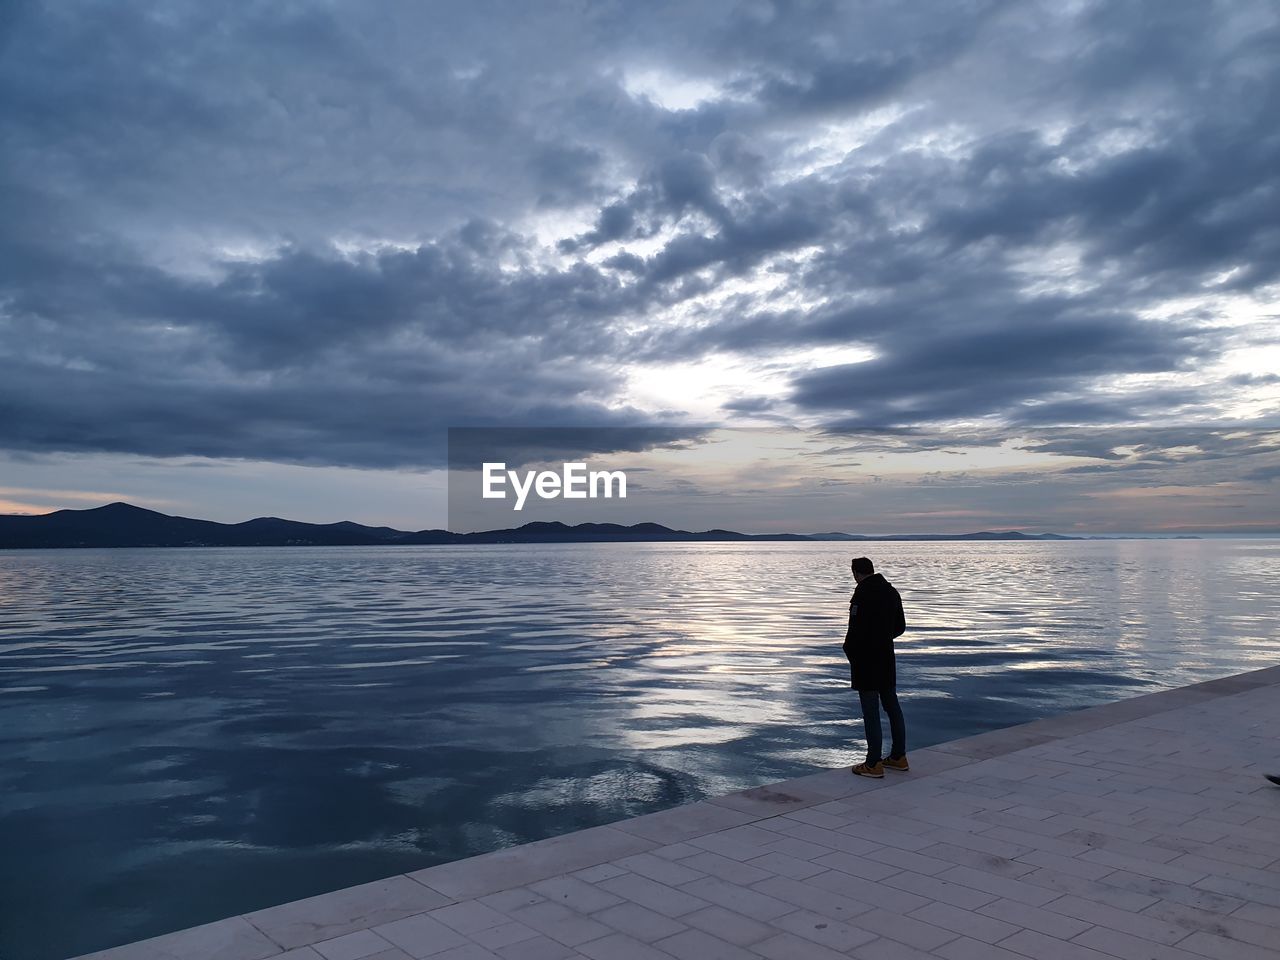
{"points": [[1141, 830]]}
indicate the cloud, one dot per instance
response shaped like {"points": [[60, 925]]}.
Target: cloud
{"points": [[324, 233], [986, 369]]}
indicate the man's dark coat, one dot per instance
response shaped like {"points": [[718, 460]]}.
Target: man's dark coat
{"points": [[875, 618]]}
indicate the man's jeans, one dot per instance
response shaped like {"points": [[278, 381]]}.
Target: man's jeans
{"points": [[871, 700]]}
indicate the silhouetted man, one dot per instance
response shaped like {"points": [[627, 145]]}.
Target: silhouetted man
{"points": [[875, 619]]}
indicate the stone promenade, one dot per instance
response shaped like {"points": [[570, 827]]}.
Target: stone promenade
{"points": [[1140, 830]]}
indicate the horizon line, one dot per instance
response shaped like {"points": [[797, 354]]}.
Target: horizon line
{"points": [[996, 529]]}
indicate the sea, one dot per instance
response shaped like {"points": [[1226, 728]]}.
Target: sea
{"points": [[189, 734]]}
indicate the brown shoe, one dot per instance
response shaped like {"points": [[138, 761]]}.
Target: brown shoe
{"points": [[899, 764], [865, 770]]}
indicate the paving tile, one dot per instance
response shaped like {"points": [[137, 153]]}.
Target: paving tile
{"points": [[767, 801], [906, 860], [683, 823], [827, 783], [468, 917], [352, 946], [834, 903], [1055, 925], [1072, 865], [1039, 946], [1028, 812], [991, 841], [504, 901], [231, 939], [798, 848], [967, 948], [1233, 927], [748, 901], [619, 946], [700, 945], [1097, 839], [890, 833], [706, 864], [503, 935], [728, 926], [662, 869], [830, 839], [1127, 947], [819, 818], [537, 948], [777, 863], [905, 930], [638, 922], [601, 871], [519, 866], [1260, 913], [575, 894], [1220, 868], [331, 915], [885, 949], [666, 900], [1052, 826], [1147, 868], [865, 891], [858, 865], [470, 951], [938, 889], [1257, 854], [674, 851], [560, 923], [727, 845], [420, 936], [1136, 924], [1174, 892], [997, 886], [979, 859], [835, 934], [967, 923], [1062, 845], [788, 946], [1089, 890], [1222, 948]]}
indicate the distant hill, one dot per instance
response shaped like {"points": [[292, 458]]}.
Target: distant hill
{"points": [[124, 525], [984, 535]]}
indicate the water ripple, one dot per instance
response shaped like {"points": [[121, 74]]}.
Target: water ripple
{"points": [[188, 734]]}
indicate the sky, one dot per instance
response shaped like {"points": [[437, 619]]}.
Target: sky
{"points": [[1001, 264]]}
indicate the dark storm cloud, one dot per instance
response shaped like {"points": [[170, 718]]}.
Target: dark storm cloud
{"points": [[1266, 474], [981, 370], [322, 233], [470, 447], [1146, 445]]}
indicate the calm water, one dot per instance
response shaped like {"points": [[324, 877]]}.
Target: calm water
{"points": [[189, 734]]}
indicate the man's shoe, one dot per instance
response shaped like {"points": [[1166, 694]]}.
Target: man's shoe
{"points": [[899, 764], [1272, 778], [866, 770]]}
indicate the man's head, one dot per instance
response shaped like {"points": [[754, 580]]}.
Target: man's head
{"points": [[862, 568]]}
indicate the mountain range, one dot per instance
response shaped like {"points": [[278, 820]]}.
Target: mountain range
{"points": [[125, 525]]}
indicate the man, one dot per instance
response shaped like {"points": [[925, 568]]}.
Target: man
{"points": [[875, 619]]}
